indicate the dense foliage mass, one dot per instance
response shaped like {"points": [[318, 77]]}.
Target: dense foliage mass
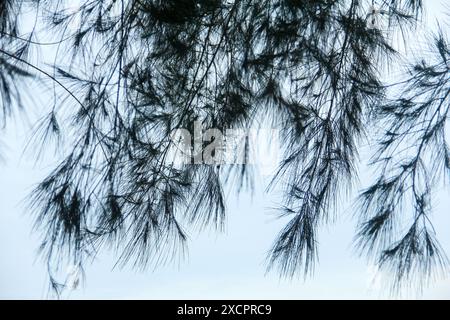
{"points": [[133, 71]]}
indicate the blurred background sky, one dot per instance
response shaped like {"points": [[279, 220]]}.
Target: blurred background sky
{"points": [[230, 265]]}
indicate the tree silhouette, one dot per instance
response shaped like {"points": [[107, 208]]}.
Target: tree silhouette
{"points": [[134, 71], [413, 158], [11, 73]]}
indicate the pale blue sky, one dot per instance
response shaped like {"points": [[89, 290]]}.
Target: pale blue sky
{"points": [[219, 266]]}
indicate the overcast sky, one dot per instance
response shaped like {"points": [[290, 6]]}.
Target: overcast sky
{"points": [[219, 266]]}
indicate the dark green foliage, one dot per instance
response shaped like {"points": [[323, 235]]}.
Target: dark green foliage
{"points": [[11, 71], [413, 158], [138, 70]]}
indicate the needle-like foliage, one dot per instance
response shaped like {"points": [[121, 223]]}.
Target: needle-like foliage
{"points": [[414, 160], [135, 71], [12, 72]]}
